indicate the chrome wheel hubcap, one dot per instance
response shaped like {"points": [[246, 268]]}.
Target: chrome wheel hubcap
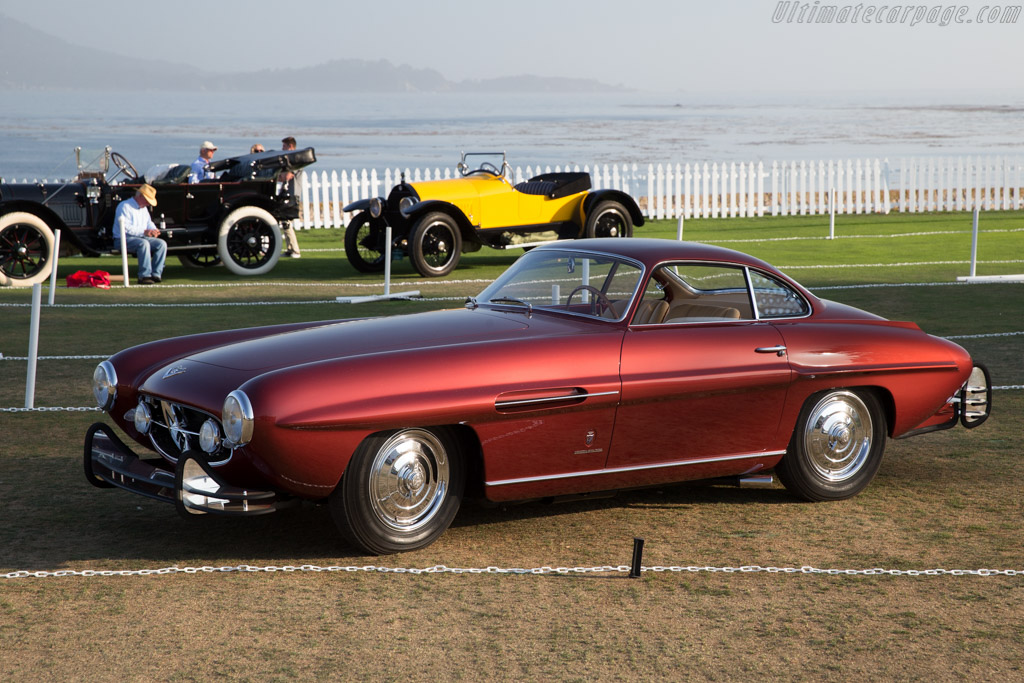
{"points": [[409, 480], [838, 436]]}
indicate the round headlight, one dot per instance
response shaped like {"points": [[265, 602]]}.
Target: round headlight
{"points": [[143, 417], [104, 385], [209, 437], [405, 204], [376, 207], [237, 418]]}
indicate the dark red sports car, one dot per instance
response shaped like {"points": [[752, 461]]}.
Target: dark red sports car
{"points": [[587, 366]]}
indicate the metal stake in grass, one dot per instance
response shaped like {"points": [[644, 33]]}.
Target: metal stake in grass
{"points": [[638, 556]]}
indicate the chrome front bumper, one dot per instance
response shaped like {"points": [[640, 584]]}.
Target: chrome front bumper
{"points": [[191, 486]]}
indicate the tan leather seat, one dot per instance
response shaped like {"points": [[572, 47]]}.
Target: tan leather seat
{"points": [[651, 312]]}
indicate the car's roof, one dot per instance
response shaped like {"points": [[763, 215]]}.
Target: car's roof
{"points": [[650, 251]]}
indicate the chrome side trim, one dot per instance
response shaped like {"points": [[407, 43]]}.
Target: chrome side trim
{"points": [[550, 399], [634, 468]]}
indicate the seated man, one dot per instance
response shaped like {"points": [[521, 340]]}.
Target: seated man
{"points": [[199, 171], [141, 235]]}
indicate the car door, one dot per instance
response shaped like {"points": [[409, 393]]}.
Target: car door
{"points": [[704, 382]]}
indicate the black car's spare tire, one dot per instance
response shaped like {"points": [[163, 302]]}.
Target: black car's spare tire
{"points": [[26, 249], [249, 241]]}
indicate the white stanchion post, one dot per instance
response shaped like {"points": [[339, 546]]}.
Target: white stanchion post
{"points": [[33, 347], [124, 257], [387, 261], [974, 245], [55, 258], [832, 214], [679, 229]]}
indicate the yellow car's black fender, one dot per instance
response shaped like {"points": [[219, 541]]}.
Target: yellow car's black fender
{"points": [[595, 197], [470, 240]]}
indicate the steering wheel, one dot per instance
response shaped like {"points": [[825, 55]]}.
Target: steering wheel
{"points": [[123, 166], [490, 168], [599, 298]]}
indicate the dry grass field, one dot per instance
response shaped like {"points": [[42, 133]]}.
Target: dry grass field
{"points": [[948, 500]]}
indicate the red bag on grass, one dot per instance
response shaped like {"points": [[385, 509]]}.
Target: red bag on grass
{"points": [[100, 279]]}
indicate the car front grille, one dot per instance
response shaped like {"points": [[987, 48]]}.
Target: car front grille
{"points": [[175, 430]]}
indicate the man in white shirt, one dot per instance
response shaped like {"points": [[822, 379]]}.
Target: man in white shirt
{"points": [[199, 171], [141, 235]]}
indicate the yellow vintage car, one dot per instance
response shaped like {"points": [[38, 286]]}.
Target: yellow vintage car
{"points": [[434, 222]]}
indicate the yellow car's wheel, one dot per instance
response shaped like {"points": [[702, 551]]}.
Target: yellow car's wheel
{"points": [[364, 244], [609, 219], [436, 245]]}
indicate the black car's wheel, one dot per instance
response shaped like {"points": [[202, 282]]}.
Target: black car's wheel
{"points": [[26, 249], [609, 219], [199, 259], [436, 245], [400, 491], [837, 446], [364, 243], [249, 242]]}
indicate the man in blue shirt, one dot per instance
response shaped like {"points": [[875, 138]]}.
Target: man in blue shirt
{"points": [[140, 234], [199, 171]]}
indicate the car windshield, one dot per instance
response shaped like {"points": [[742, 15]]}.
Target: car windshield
{"points": [[566, 281], [491, 162]]}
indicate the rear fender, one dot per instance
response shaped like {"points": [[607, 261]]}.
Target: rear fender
{"points": [[597, 196]]}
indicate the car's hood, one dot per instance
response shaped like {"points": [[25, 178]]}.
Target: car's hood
{"points": [[360, 337]]}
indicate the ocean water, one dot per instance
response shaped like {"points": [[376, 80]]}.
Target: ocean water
{"points": [[40, 129]]}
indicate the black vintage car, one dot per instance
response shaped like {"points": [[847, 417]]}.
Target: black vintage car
{"points": [[233, 219]]}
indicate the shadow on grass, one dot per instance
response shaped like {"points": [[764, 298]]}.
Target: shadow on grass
{"points": [[104, 527]]}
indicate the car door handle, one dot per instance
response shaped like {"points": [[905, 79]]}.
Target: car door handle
{"points": [[777, 350]]}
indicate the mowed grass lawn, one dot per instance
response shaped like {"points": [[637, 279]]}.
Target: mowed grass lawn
{"points": [[947, 500]]}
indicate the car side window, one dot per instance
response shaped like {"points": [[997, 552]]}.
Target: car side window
{"points": [[776, 299], [694, 293]]}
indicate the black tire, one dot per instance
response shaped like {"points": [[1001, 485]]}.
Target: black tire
{"points": [[26, 249], [436, 245], [609, 219], [837, 446], [400, 491], [199, 259], [249, 241], [364, 243]]}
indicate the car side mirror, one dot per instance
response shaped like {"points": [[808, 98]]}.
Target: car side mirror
{"points": [[463, 168]]}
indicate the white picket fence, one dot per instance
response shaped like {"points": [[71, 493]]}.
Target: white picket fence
{"points": [[713, 190]]}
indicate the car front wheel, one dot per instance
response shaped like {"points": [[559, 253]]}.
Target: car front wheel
{"points": [[26, 249], [364, 243], [400, 491], [436, 245], [249, 241], [836, 448], [609, 219]]}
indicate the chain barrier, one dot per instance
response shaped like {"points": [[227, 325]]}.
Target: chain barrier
{"points": [[536, 571]]}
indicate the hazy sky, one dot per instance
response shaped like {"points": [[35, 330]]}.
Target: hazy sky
{"points": [[661, 45]]}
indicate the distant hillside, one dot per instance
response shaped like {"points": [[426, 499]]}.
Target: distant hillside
{"points": [[32, 59]]}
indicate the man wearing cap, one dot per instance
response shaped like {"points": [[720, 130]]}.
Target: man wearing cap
{"points": [[199, 171], [141, 236]]}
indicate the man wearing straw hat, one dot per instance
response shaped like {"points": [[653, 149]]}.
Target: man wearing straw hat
{"points": [[141, 236]]}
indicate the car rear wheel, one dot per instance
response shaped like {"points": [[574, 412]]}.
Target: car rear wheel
{"points": [[836, 448], [609, 219], [26, 249], [364, 244], [249, 241], [400, 491], [436, 245], [199, 259]]}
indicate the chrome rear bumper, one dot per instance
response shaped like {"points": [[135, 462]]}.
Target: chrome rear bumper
{"points": [[191, 486]]}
